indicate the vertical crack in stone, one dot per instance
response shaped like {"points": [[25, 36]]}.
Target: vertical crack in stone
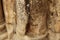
{"points": [[27, 7], [1, 12]]}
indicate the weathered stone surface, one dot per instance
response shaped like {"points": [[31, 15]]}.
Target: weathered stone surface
{"points": [[53, 36], [54, 20], [9, 13], [30, 20], [22, 17], [54, 16], [37, 21]]}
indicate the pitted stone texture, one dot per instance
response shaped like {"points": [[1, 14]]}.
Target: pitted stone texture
{"points": [[37, 21]]}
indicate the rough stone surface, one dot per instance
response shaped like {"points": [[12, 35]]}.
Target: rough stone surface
{"points": [[29, 19], [37, 19], [9, 13], [54, 20], [22, 17]]}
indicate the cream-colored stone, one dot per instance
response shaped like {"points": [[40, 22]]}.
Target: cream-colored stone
{"points": [[22, 17], [8, 6]]}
